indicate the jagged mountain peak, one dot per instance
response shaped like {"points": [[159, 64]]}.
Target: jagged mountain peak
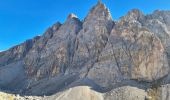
{"points": [[70, 16], [99, 11], [72, 19], [97, 53], [56, 25], [135, 12], [161, 11]]}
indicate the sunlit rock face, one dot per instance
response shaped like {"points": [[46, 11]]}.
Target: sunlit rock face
{"points": [[53, 57], [133, 51], [130, 55], [91, 39], [143, 53]]}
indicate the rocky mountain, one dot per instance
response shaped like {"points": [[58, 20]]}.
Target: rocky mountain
{"points": [[94, 59]]}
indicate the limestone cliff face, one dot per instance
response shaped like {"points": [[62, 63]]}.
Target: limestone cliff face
{"points": [[113, 57]]}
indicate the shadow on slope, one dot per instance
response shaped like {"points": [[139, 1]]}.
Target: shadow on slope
{"points": [[48, 87]]}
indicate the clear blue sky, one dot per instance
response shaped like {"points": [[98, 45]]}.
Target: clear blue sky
{"points": [[23, 19]]}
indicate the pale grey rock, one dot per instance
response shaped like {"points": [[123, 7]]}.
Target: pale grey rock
{"points": [[165, 92], [126, 93], [96, 52], [77, 93]]}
